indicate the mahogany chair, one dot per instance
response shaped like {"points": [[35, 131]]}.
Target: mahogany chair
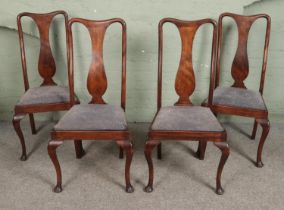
{"points": [[96, 120], [237, 99], [184, 121], [49, 96]]}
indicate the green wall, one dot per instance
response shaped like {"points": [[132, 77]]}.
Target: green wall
{"points": [[142, 19]]}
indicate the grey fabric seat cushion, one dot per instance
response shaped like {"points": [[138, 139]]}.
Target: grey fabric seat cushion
{"points": [[94, 117], [186, 118], [45, 95], [238, 97]]}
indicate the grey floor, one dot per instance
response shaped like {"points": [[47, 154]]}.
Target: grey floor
{"points": [[181, 180]]}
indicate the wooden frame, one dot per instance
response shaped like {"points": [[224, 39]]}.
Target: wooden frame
{"points": [[46, 69], [184, 86], [240, 71], [96, 85]]}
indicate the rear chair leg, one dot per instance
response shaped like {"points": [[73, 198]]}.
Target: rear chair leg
{"points": [[32, 122], [224, 147], [149, 146], [17, 127], [52, 146], [79, 148], [126, 145], [201, 149], [254, 130], [159, 151], [265, 130], [120, 153]]}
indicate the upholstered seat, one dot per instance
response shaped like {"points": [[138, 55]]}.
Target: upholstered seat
{"points": [[93, 117], [45, 95], [186, 118], [238, 97]]}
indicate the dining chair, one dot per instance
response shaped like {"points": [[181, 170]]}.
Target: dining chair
{"points": [[96, 120], [49, 96], [237, 99], [184, 121]]}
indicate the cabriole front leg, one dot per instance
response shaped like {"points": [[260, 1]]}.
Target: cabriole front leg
{"points": [[127, 147], [149, 146], [16, 123], [265, 130], [52, 146], [224, 147]]}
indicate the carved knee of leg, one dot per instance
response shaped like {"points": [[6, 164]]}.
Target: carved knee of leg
{"points": [[17, 127]]}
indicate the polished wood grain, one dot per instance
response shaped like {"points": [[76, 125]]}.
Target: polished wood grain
{"points": [[46, 69], [240, 71], [97, 81], [185, 82], [97, 86], [240, 65], [185, 86]]}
